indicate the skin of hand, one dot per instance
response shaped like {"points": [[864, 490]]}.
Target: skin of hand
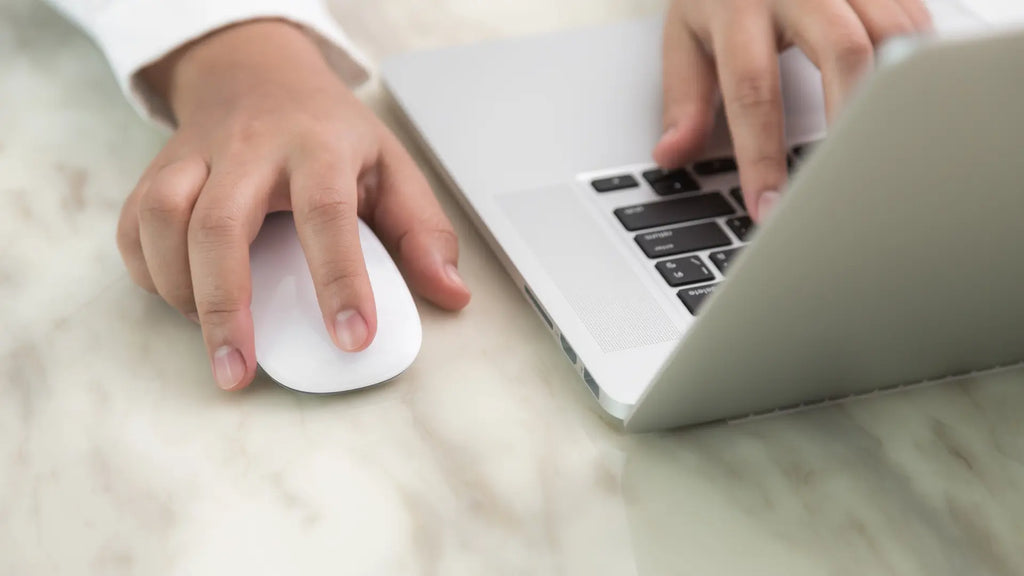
{"points": [[265, 125], [729, 48]]}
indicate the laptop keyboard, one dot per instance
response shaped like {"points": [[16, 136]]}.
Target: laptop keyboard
{"points": [[677, 211], [695, 229]]}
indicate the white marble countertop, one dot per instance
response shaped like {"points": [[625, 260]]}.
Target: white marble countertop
{"points": [[119, 456]]}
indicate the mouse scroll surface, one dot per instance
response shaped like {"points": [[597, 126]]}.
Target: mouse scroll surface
{"points": [[292, 344]]}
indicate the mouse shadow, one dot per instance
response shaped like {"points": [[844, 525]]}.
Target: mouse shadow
{"points": [[264, 387]]}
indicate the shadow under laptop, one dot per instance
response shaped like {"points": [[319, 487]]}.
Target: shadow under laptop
{"points": [[922, 482]]}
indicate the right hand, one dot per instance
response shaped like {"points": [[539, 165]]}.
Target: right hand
{"points": [[265, 125], [732, 46]]}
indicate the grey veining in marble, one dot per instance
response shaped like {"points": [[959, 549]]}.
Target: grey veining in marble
{"points": [[119, 456]]}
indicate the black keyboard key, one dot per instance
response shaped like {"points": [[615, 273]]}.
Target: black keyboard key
{"points": [[693, 297], [675, 211], [674, 182], [684, 271], [655, 175], [722, 258], [740, 226], [714, 166], [737, 195], [615, 183], [682, 240], [675, 186]]}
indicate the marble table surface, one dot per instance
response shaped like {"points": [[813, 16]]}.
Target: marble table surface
{"points": [[118, 455]]}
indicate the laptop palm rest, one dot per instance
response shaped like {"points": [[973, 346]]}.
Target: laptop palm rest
{"points": [[587, 266]]}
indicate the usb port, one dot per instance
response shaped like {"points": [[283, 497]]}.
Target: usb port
{"points": [[540, 309]]}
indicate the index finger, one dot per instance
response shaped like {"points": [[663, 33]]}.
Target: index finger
{"points": [[688, 93], [748, 70], [223, 224], [324, 201]]}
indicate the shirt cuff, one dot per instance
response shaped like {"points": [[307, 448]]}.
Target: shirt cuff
{"points": [[166, 26]]}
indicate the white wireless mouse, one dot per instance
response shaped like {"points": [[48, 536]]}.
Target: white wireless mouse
{"points": [[292, 344]]}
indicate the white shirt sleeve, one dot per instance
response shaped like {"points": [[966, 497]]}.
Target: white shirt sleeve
{"points": [[136, 33]]}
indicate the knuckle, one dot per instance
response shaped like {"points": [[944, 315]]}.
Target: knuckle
{"points": [[412, 245], [220, 303], [852, 48], [322, 144], [325, 161], [754, 90], [446, 235], [172, 191], [329, 205], [443, 235], [161, 204], [770, 163], [247, 129], [413, 239], [215, 225], [342, 278]]}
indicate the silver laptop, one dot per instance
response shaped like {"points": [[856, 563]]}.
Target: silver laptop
{"points": [[895, 257]]}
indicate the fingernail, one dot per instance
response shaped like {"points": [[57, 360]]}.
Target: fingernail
{"points": [[350, 329], [766, 204], [453, 276], [228, 367]]}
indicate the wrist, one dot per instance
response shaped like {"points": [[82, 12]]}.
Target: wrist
{"points": [[231, 62]]}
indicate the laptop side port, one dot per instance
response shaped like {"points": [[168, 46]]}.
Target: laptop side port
{"points": [[569, 352], [591, 383], [536, 305], [567, 348]]}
